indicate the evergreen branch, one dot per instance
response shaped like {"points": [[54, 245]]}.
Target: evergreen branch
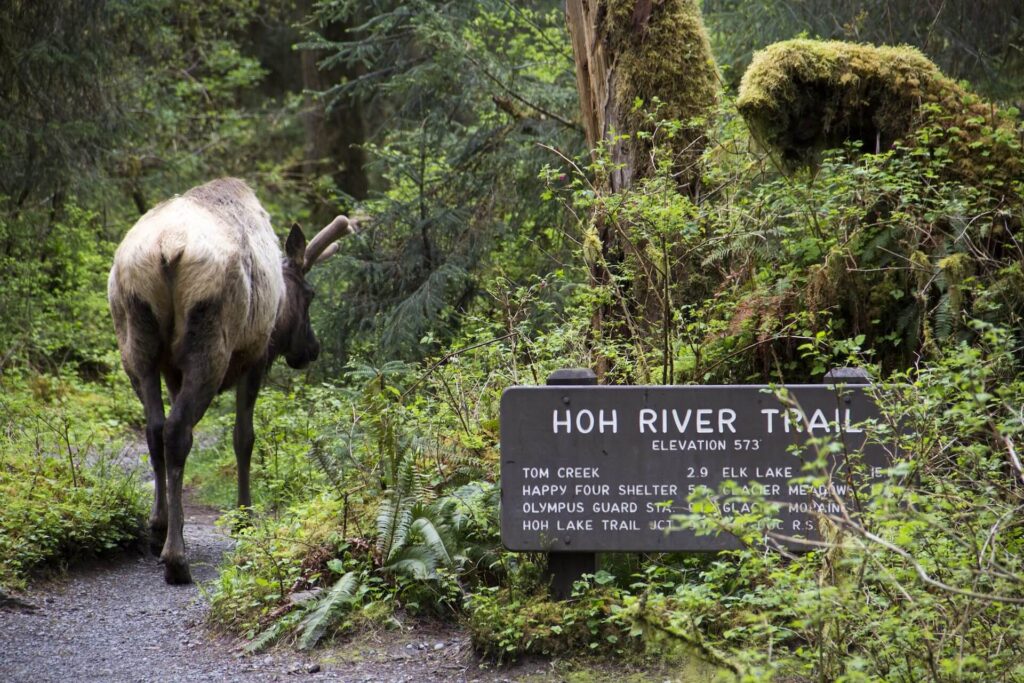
{"points": [[522, 100], [323, 617]]}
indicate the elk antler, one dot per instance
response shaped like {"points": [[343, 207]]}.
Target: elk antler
{"points": [[324, 245]]}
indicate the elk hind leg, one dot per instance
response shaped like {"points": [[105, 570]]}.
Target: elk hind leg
{"points": [[202, 361], [139, 334], [152, 401]]}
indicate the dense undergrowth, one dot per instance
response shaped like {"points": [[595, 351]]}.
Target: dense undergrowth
{"points": [[874, 260], [69, 491], [67, 487], [878, 602]]}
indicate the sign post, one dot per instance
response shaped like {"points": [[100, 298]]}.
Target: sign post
{"points": [[566, 567], [588, 469]]}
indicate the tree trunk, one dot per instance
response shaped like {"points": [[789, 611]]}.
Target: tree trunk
{"points": [[655, 52], [334, 137], [594, 80], [642, 50]]}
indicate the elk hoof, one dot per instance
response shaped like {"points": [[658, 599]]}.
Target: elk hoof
{"points": [[176, 572]]}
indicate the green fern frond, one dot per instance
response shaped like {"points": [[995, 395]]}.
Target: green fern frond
{"points": [[394, 520], [387, 517], [413, 562], [315, 625], [272, 633], [432, 540], [944, 318]]}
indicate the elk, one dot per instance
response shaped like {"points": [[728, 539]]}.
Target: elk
{"points": [[201, 295]]}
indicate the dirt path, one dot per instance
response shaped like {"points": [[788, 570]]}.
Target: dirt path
{"points": [[118, 621]]}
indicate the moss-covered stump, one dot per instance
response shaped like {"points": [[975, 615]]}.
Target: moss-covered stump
{"points": [[636, 51], [800, 97], [665, 55]]}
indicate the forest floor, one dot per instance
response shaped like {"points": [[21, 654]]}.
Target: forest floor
{"points": [[116, 620]]}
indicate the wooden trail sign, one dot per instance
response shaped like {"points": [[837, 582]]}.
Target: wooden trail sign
{"points": [[596, 469]]}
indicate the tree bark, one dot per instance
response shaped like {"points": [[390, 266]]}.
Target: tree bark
{"points": [[628, 51], [334, 137], [594, 80], [642, 50]]}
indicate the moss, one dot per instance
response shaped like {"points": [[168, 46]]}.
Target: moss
{"points": [[800, 97], [957, 267], [664, 56]]}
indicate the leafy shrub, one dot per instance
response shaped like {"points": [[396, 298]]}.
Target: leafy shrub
{"points": [[505, 626], [53, 302], [921, 581], [433, 553], [274, 557], [64, 495], [887, 248]]}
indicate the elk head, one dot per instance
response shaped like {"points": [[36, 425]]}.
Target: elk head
{"points": [[293, 335]]}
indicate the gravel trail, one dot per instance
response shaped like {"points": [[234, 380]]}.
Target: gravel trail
{"points": [[117, 620]]}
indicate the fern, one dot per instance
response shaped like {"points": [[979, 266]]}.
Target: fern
{"points": [[271, 634], [414, 561], [394, 520], [327, 610], [432, 541], [451, 532], [944, 318], [395, 516], [425, 548]]}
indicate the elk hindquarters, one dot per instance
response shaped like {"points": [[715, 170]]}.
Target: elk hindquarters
{"points": [[138, 333], [202, 350]]}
